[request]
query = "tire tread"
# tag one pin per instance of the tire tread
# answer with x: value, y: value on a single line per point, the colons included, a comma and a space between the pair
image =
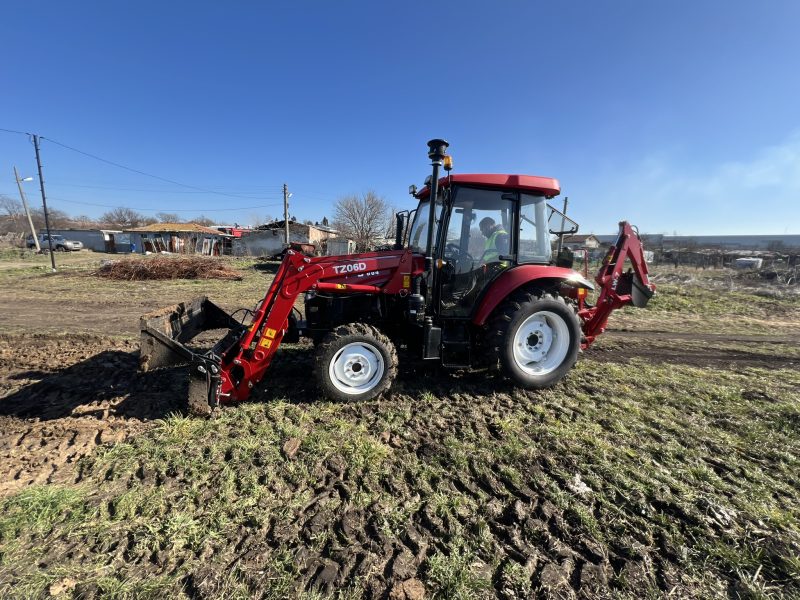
x: 340, y: 335
x: 499, y: 328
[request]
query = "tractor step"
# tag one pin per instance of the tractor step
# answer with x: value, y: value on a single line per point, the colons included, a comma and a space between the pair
x: 456, y: 355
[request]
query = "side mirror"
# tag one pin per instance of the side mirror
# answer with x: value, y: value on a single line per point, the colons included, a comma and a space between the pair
x: 400, y: 226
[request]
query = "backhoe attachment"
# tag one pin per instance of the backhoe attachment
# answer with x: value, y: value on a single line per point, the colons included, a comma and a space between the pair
x: 618, y: 288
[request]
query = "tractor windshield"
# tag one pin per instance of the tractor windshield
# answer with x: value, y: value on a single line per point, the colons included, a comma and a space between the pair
x: 419, y: 228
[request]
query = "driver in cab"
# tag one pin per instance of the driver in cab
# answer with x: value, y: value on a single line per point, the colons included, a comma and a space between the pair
x: 496, y: 243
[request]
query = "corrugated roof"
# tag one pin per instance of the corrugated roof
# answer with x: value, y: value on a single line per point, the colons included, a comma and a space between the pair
x: 177, y: 228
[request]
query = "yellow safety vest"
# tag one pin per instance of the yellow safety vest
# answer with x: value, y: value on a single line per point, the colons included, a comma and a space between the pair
x: 490, y: 251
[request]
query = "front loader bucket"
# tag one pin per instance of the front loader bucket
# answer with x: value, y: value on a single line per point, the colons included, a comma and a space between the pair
x: 165, y: 334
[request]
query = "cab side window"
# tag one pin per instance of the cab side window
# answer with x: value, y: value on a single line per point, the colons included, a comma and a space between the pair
x: 534, y: 239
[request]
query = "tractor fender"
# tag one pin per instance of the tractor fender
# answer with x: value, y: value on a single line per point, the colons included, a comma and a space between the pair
x: 521, y: 275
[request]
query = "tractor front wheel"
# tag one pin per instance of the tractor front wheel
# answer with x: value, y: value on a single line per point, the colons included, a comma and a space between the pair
x: 355, y: 362
x: 536, y: 339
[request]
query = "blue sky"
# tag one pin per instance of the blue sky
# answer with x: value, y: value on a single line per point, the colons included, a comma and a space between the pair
x: 681, y: 117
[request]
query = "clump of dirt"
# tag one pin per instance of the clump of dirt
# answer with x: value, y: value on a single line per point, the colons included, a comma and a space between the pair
x: 62, y: 396
x: 166, y: 267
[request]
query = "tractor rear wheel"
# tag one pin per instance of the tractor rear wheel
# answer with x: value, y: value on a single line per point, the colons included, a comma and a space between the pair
x: 536, y: 338
x: 355, y: 362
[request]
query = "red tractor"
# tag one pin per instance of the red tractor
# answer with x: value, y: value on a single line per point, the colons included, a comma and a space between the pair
x: 479, y: 288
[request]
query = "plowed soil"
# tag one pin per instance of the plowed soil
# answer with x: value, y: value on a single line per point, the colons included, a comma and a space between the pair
x: 62, y: 396
x: 450, y: 486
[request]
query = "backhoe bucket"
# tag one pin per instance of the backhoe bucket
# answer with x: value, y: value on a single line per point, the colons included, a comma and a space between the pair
x: 640, y: 294
x: 165, y: 332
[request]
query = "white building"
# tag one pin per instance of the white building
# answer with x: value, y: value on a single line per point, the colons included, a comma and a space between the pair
x: 270, y: 239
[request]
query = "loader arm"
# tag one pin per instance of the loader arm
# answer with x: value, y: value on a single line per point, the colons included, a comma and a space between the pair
x: 617, y: 288
x: 228, y: 372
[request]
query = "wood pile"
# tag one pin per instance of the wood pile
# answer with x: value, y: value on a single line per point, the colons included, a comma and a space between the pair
x: 165, y: 267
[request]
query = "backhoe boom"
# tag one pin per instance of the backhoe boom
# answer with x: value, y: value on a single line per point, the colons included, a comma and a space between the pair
x: 617, y: 288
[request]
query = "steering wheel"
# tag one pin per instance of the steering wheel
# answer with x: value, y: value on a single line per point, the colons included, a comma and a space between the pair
x: 454, y: 252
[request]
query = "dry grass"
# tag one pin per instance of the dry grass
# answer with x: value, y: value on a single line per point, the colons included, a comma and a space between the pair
x: 163, y: 267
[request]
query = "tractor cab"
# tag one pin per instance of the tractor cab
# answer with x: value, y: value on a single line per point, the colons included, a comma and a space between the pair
x: 485, y: 225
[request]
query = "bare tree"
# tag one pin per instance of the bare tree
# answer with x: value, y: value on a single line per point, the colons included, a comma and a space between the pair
x: 364, y: 219
x: 255, y: 219
x: 164, y: 217
x: 84, y: 221
x: 12, y: 217
x: 11, y: 207
x: 123, y: 218
x: 203, y: 220
x: 58, y: 218
x: 13, y: 214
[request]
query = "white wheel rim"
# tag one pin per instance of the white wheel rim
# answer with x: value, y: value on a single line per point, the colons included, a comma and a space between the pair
x: 356, y: 368
x: 541, y: 343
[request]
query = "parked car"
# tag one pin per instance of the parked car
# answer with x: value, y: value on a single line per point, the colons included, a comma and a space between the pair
x: 60, y: 243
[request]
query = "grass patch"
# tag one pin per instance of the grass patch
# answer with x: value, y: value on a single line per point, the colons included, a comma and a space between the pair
x: 665, y: 477
x: 458, y: 574
x: 39, y: 508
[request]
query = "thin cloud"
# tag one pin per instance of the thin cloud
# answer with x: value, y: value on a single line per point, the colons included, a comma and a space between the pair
x: 757, y: 195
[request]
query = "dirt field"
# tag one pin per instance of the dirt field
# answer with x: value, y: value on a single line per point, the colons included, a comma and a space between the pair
x: 665, y: 465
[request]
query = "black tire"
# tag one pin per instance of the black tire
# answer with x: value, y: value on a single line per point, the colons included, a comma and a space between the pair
x: 61, y: 248
x: 349, y: 350
x: 534, y: 338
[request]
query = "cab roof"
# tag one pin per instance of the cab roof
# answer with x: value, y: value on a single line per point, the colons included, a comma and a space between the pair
x: 546, y: 186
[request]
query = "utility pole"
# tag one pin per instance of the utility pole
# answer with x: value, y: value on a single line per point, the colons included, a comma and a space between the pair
x: 44, y: 202
x: 286, y: 212
x: 27, y: 210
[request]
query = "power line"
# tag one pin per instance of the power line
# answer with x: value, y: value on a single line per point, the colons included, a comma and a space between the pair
x: 137, y: 171
x: 316, y: 196
x: 196, y: 189
x: 14, y: 131
x: 132, y: 170
x: 168, y: 209
x: 235, y: 208
x: 126, y: 189
x: 248, y: 189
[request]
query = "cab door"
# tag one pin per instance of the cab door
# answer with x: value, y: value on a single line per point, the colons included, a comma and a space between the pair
x: 475, y: 247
